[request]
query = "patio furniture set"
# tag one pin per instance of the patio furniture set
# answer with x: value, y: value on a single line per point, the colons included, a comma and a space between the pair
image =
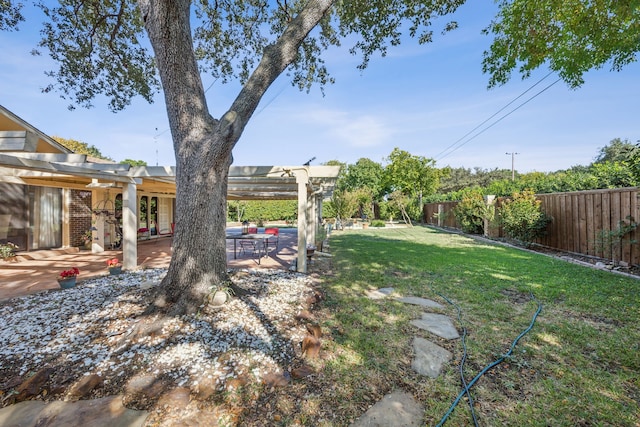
x: 253, y: 242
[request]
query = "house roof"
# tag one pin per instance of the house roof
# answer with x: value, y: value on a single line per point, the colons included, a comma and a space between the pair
x: 16, y: 127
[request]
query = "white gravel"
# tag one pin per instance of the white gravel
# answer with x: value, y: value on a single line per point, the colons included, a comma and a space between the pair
x: 90, y: 330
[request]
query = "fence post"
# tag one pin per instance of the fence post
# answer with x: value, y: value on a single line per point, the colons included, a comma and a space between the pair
x: 489, y: 202
x: 440, y: 215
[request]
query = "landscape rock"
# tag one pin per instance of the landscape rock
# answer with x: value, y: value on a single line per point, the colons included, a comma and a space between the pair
x: 310, y: 347
x: 103, y: 412
x: 206, y: 387
x: 302, y: 371
x: 142, y: 391
x: 83, y: 387
x: 315, y: 330
x: 33, y: 385
x: 177, y: 398
x: 276, y: 380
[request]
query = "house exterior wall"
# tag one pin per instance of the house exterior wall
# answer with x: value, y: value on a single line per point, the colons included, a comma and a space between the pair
x: 79, y: 216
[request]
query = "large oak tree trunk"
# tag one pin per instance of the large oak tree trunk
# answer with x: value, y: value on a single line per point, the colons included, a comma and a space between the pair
x: 198, y: 263
x: 203, y: 144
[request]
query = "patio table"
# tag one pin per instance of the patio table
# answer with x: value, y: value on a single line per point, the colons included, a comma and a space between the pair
x: 262, y: 239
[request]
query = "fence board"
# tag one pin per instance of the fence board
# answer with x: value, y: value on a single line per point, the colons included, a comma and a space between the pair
x: 635, y: 235
x: 625, y: 214
x: 589, y: 225
x: 568, y: 217
x: 581, y: 229
x: 597, y: 223
x: 615, y: 222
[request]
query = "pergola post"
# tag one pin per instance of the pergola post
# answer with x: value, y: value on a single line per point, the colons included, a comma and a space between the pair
x: 129, y: 227
x: 311, y: 218
x: 302, y: 179
x: 97, y: 227
x: 319, y: 211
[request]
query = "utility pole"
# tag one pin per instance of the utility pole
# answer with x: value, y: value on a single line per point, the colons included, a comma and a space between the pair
x: 513, y: 169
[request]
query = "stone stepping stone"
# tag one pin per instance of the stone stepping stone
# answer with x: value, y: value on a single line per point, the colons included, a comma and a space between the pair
x: 438, y: 324
x: 429, y: 357
x: 379, y: 293
x: 423, y: 302
x: 394, y: 410
x: 106, y: 411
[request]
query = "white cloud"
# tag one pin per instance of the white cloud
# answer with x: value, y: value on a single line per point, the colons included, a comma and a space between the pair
x: 351, y: 128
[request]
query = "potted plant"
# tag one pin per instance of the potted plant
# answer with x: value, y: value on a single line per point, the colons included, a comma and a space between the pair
x: 310, y: 251
x: 86, y: 238
x: 114, y: 266
x: 220, y: 295
x: 67, y: 278
x: 8, y: 251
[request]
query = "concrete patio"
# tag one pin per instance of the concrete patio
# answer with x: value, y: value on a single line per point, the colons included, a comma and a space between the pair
x: 28, y: 276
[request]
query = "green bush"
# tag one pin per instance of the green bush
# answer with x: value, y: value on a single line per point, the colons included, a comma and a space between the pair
x: 608, y: 242
x: 521, y: 217
x: 259, y: 211
x: 471, y: 212
x: 8, y: 250
x: 378, y: 223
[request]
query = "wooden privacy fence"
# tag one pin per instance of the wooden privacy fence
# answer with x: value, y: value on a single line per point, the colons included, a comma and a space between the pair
x: 583, y: 222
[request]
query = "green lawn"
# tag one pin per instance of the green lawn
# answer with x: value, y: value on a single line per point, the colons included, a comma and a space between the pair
x: 579, y: 365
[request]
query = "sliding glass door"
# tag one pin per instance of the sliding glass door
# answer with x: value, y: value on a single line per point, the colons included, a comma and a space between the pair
x: 45, y: 222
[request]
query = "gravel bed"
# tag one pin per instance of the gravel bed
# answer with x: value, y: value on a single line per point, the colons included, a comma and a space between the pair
x: 99, y: 328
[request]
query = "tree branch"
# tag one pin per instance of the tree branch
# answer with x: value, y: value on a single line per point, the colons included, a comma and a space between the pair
x: 277, y: 57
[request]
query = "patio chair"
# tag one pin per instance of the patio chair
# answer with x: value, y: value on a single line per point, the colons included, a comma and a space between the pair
x: 248, y: 245
x: 274, y: 239
x: 144, y: 233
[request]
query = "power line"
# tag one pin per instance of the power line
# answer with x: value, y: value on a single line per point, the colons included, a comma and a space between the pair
x: 495, y: 114
x: 494, y: 123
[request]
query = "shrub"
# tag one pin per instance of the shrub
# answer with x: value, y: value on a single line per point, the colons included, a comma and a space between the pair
x: 608, y: 242
x: 378, y: 223
x: 471, y: 212
x: 8, y: 250
x: 521, y: 217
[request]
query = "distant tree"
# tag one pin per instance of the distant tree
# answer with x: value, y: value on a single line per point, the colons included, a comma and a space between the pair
x: 80, y: 147
x: 614, y: 175
x: 365, y: 174
x: 454, y: 179
x: 570, y: 36
x: 133, y: 162
x: 617, y: 150
x: 414, y: 176
x: 634, y: 162
x: 343, y: 204
x: 398, y: 202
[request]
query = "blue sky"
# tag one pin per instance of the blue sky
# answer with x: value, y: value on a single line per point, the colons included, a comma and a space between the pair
x: 422, y: 99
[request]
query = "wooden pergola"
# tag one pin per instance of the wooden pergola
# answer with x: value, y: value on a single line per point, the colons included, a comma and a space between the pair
x: 29, y: 157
